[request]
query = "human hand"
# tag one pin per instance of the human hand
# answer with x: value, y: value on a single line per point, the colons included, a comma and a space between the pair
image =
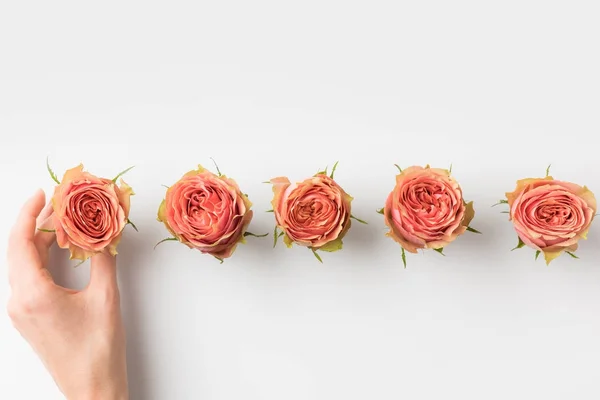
x: 78, y: 335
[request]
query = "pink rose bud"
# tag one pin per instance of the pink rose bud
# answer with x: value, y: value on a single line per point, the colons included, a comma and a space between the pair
x: 314, y: 213
x: 206, y: 212
x: 550, y: 216
x: 89, y: 212
x: 426, y: 210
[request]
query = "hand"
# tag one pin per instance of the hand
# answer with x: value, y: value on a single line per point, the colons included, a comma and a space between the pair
x: 78, y: 335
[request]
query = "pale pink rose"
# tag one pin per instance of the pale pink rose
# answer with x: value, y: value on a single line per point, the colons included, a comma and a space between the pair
x: 426, y: 209
x: 207, y: 212
x: 314, y: 213
x: 89, y: 213
x: 551, y: 216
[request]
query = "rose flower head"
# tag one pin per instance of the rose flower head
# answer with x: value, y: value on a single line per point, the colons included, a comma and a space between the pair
x: 550, y: 216
x: 426, y: 210
x: 315, y: 213
x: 89, y: 213
x: 207, y: 212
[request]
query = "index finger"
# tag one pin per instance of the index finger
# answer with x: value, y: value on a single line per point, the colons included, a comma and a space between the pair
x: 22, y: 254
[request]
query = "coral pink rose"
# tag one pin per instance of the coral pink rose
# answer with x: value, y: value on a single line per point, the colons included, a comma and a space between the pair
x: 551, y: 216
x: 426, y: 209
x: 314, y: 213
x: 207, y: 212
x: 89, y: 213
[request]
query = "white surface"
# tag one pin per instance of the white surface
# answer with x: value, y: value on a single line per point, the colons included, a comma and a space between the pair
x: 273, y: 88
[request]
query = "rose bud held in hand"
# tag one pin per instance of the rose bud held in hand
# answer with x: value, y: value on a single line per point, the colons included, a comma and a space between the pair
x: 426, y: 210
x: 89, y: 213
x: 550, y: 216
x: 314, y: 213
x: 207, y: 212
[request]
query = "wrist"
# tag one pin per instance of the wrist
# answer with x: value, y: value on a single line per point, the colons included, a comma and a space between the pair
x: 110, y: 392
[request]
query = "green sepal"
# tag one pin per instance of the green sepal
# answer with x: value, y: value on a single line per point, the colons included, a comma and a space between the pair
x: 254, y: 234
x: 333, y: 169
x: 317, y: 256
x: 403, y: 257
x: 218, y: 173
x: 46, y: 230
x: 473, y: 230
x: 359, y: 220
x: 323, y: 172
x: 440, y: 250
x: 500, y: 202
x: 132, y: 225
x: 519, y: 245
x: 537, y: 254
x: 165, y: 240
x: 397, y: 166
x: 380, y: 211
x: 548, y: 170
x: 275, y: 236
x: 219, y: 258
x: 572, y: 254
x: 52, y: 174
x: 120, y: 174
x: 80, y: 262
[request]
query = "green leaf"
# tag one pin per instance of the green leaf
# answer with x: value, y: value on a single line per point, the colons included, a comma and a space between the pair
x: 380, y: 211
x: 537, y: 254
x: 440, y: 250
x: 473, y: 230
x: 548, y: 170
x: 333, y: 170
x: 219, y: 258
x: 120, y: 174
x: 572, y: 254
x: 399, y: 169
x: 500, y: 202
x: 275, y: 236
x: 52, y: 174
x: 403, y: 257
x: 359, y: 220
x: 46, y: 230
x: 217, y: 167
x: 165, y: 240
x: 519, y: 245
x: 317, y: 256
x: 132, y: 225
x: 332, y: 246
x: 254, y: 234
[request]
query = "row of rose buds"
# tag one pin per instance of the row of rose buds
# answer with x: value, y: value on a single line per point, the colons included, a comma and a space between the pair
x: 209, y: 212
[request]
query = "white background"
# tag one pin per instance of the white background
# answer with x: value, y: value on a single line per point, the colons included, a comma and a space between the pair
x: 268, y: 88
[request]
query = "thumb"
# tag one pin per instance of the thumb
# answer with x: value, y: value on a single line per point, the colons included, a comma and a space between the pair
x: 103, y: 274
